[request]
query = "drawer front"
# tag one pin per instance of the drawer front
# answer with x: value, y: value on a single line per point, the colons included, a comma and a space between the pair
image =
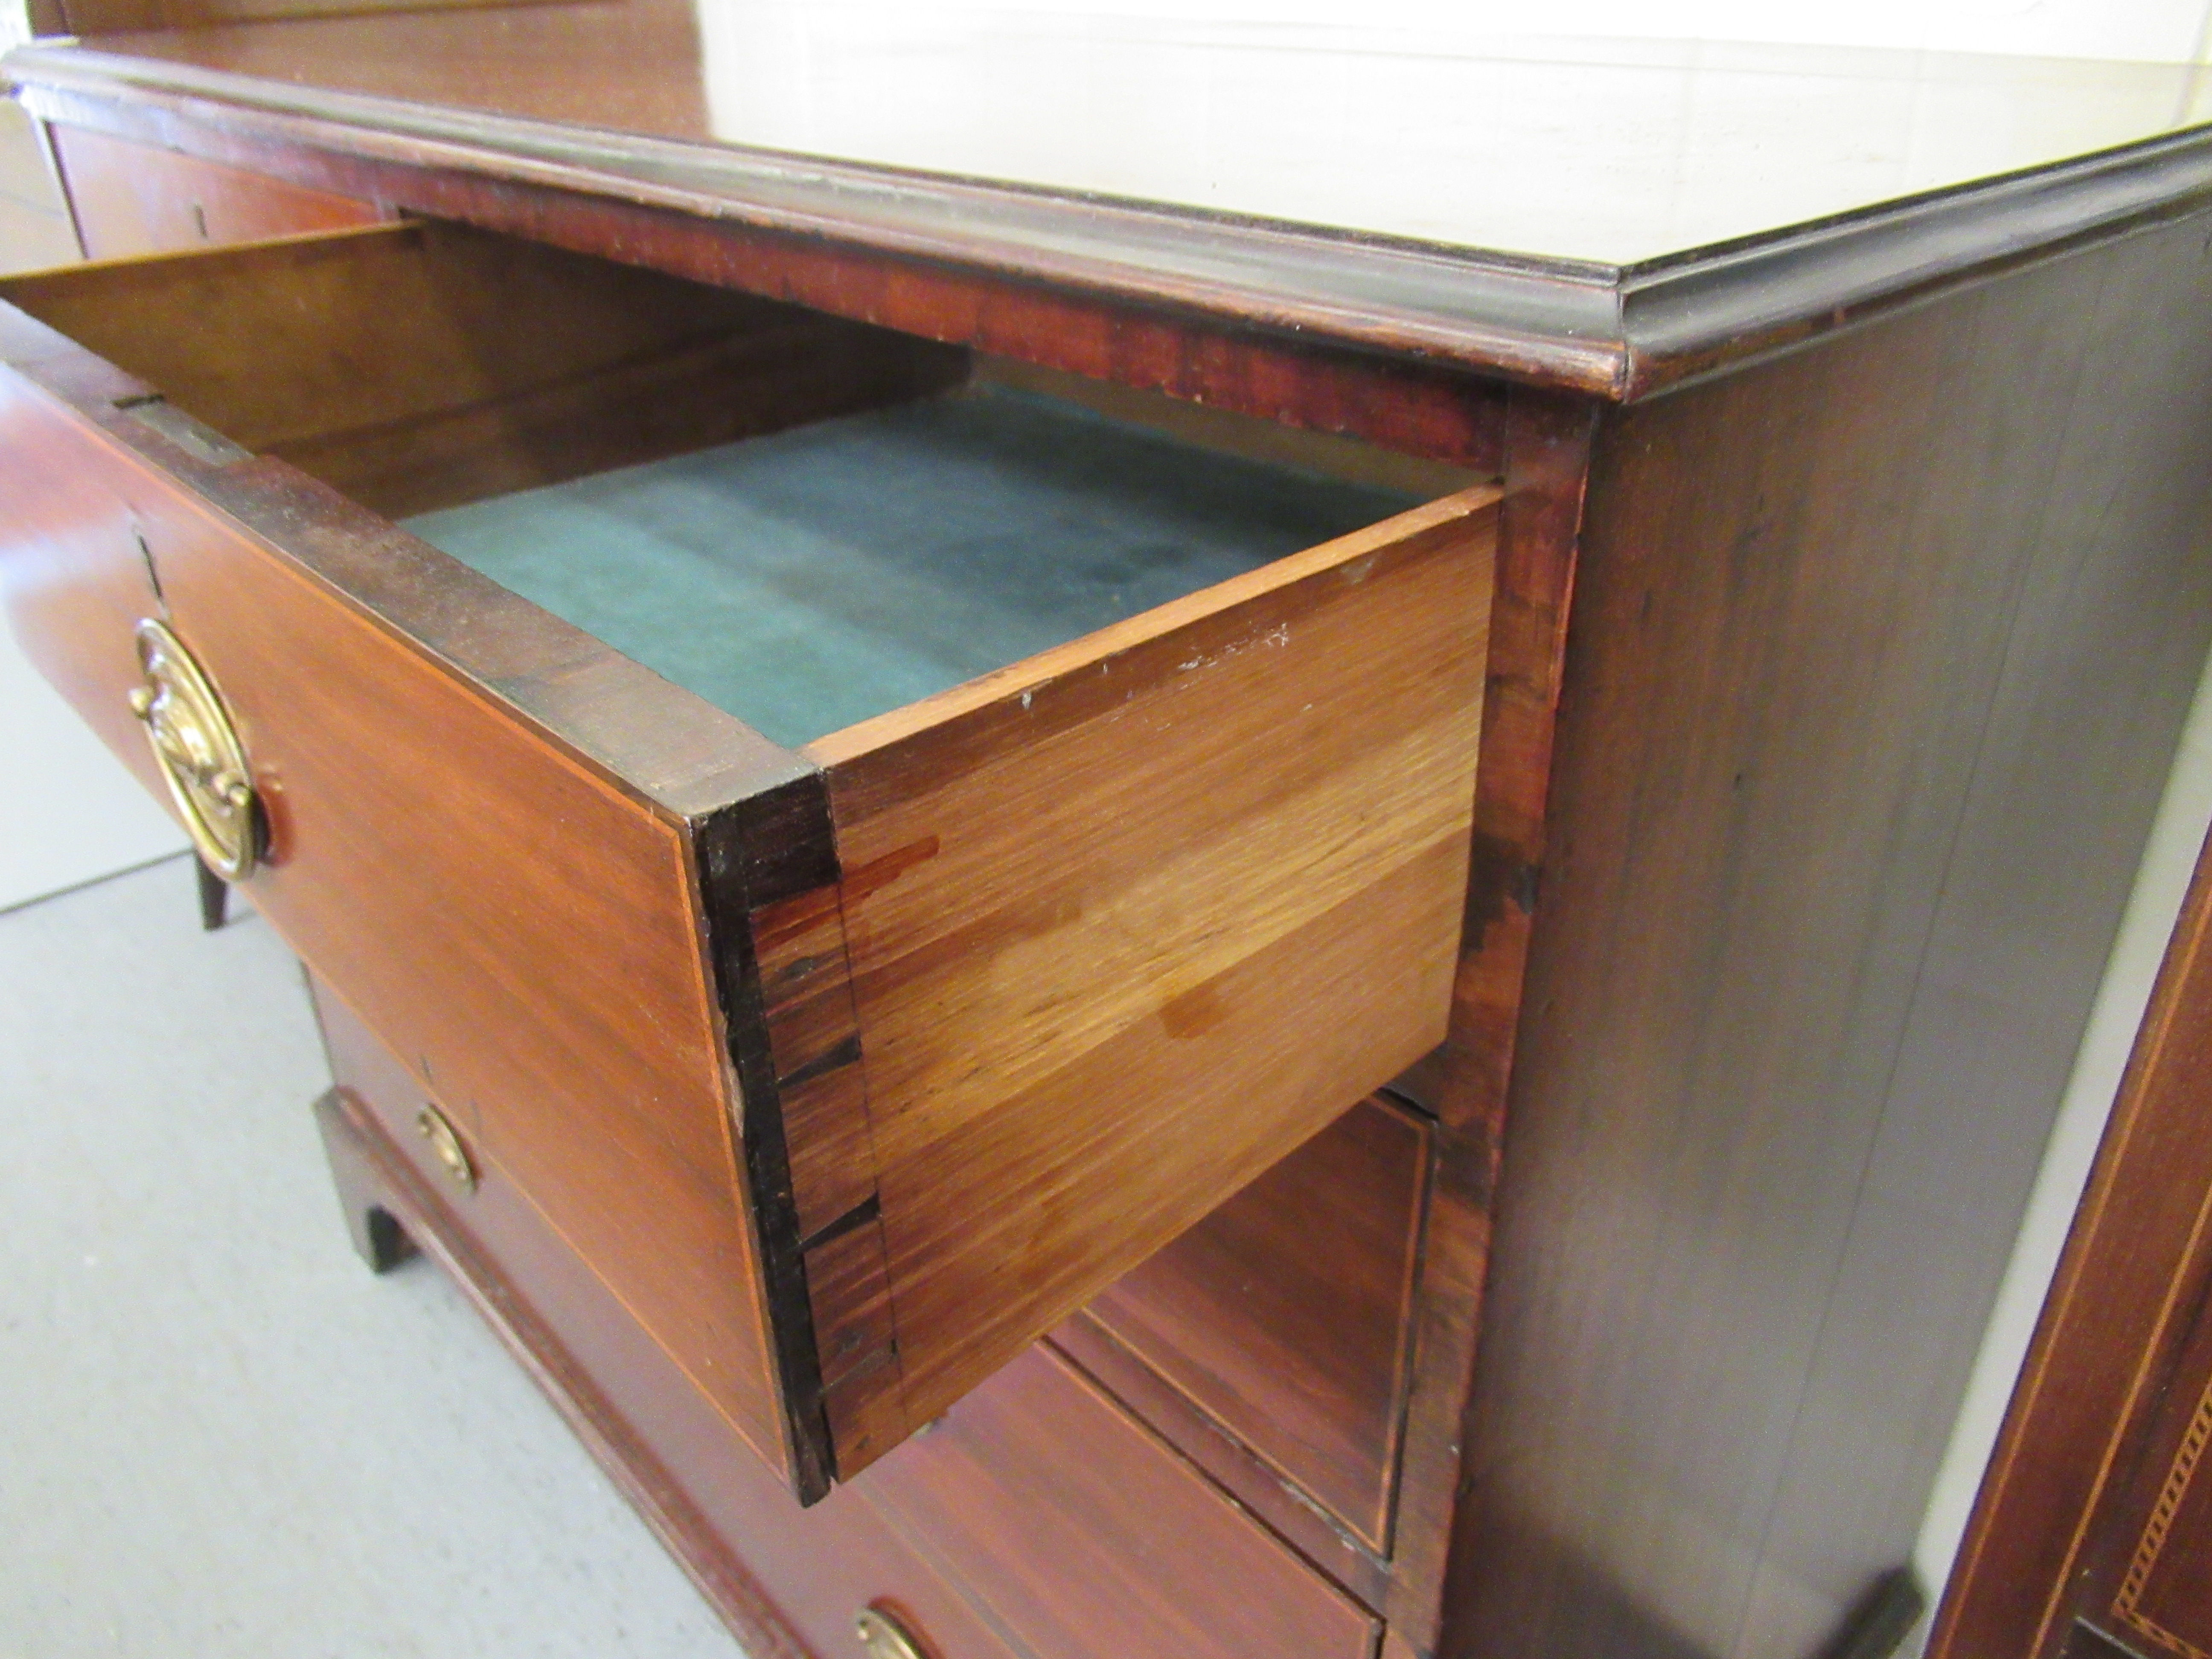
x: 1036, y: 1520
x: 855, y: 1068
x: 130, y: 199
x: 556, y: 992
x: 642, y: 1412
x: 1087, y: 1538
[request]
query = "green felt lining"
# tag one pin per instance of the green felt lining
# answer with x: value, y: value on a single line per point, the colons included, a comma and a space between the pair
x: 820, y: 576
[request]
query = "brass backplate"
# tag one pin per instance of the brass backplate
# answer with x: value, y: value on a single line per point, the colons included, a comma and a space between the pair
x: 884, y: 1638
x: 198, y: 749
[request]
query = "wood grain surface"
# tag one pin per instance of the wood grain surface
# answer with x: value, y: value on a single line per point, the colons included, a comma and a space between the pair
x: 1062, y: 959
x: 611, y: 102
x: 75, y: 579
x: 1413, y: 406
x: 947, y: 1535
x: 2159, y: 1550
x: 115, y: 16
x: 1466, y: 1081
x: 2115, y: 1379
x: 1084, y: 1538
x: 1878, y: 658
x: 1108, y: 968
x: 1285, y: 1315
x: 397, y: 821
x: 132, y: 198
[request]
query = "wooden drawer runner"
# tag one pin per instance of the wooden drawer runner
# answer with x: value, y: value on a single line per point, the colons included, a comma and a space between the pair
x: 1037, y: 1521
x: 853, y: 1067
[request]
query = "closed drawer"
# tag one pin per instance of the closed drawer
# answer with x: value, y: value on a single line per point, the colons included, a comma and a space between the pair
x: 1037, y: 1518
x: 716, y: 1504
x: 1086, y: 1539
x: 129, y: 199
x: 1285, y: 1319
x: 1104, y: 838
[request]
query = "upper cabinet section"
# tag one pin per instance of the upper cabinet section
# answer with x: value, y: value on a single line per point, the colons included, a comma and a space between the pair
x: 1382, y: 122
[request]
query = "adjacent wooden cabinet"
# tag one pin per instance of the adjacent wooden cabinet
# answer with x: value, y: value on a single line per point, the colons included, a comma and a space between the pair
x: 1125, y: 913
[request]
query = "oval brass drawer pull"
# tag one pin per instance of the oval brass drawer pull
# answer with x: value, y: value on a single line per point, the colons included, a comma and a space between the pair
x: 884, y: 1638
x: 446, y: 1146
x: 199, y: 753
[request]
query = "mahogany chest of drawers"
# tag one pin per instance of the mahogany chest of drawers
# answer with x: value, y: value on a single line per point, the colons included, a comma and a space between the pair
x: 1115, y: 930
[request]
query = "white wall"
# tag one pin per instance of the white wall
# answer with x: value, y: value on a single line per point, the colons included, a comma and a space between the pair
x: 2140, y: 30
x: 71, y: 813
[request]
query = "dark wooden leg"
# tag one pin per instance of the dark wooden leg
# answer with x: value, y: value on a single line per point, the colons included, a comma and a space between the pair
x: 214, y: 895
x: 378, y: 1238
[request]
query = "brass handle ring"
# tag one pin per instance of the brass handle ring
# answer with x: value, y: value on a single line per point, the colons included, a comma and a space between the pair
x: 199, y: 753
x: 884, y: 1638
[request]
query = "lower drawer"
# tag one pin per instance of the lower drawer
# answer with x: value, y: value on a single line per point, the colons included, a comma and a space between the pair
x: 1037, y: 1518
x: 1273, y: 1340
x: 1086, y: 1538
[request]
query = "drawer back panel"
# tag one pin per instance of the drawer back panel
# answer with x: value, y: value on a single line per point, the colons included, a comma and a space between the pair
x: 423, y: 365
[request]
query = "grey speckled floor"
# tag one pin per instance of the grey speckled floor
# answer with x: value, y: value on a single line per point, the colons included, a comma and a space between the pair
x: 219, y: 1434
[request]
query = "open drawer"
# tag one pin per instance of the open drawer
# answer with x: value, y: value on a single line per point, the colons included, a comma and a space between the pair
x: 1107, y: 837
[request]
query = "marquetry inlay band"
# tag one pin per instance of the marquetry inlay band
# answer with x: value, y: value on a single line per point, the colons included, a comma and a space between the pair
x: 2153, y: 1543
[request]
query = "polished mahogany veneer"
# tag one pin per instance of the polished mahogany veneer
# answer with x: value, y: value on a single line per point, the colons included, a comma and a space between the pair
x: 1711, y: 810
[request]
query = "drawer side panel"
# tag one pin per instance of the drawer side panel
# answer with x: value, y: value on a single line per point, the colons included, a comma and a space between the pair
x: 1130, y: 923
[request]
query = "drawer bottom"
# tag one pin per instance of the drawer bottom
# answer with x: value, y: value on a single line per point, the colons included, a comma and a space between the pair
x: 1037, y: 1521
